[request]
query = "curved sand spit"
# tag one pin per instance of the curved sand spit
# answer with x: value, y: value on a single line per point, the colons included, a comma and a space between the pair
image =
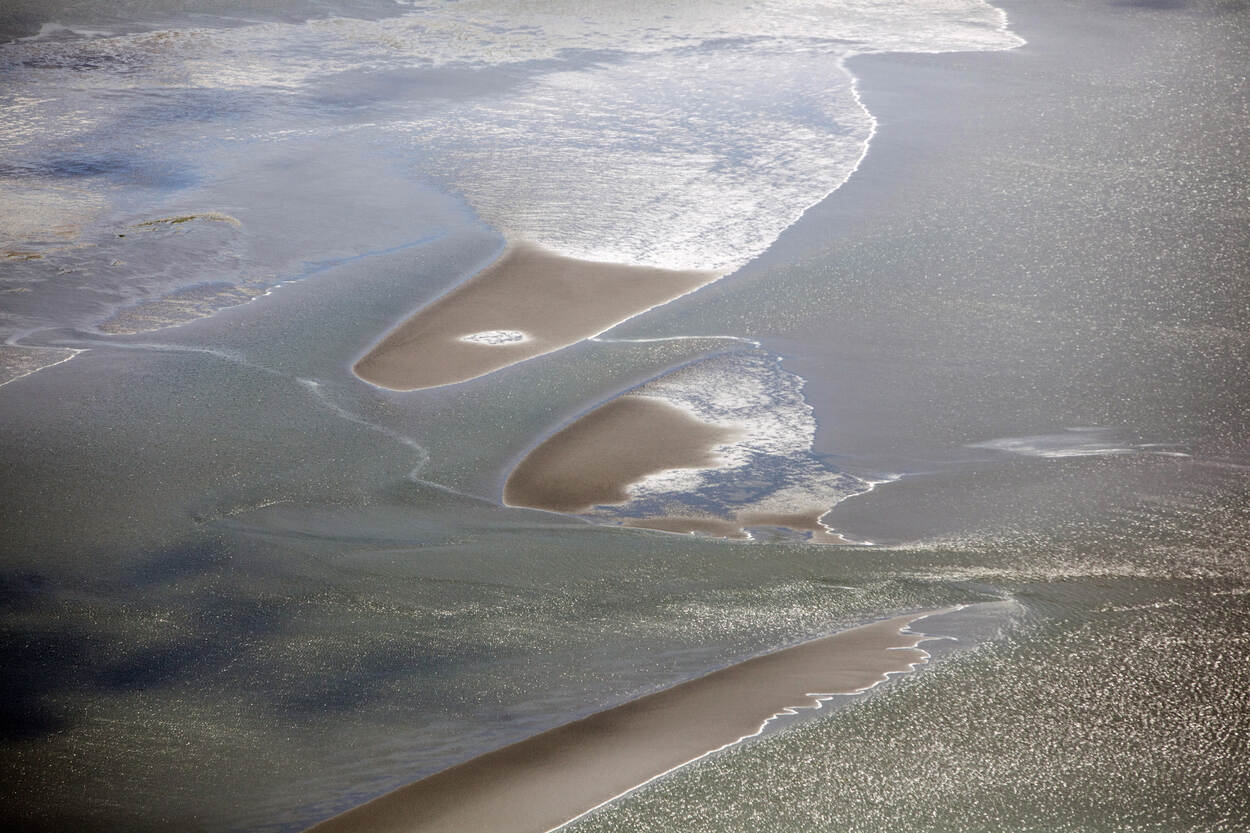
x: 593, y: 461
x: 527, y: 303
x: 544, y: 782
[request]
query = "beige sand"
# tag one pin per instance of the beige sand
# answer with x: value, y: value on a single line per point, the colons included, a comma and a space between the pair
x: 593, y: 461
x: 545, y: 781
x: 529, y: 302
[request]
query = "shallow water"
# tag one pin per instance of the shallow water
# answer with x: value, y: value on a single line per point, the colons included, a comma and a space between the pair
x: 243, y: 590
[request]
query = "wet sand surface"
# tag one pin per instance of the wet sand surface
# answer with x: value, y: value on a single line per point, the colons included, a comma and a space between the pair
x: 685, y: 525
x: 527, y: 303
x: 594, y: 460
x: 543, y: 782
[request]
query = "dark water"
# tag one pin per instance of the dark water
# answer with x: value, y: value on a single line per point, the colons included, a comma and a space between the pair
x: 242, y: 590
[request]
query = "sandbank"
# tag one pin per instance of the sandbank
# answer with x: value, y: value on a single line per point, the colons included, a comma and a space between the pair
x: 737, y: 526
x: 544, y: 782
x: 527, y: 303
x: 593, y: 461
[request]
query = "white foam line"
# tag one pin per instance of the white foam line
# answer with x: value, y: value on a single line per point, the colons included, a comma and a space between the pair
x: 224, y: 355
x: 788, y: 711
x: 315, y: 389
x: 1222, y: 464
x: 73, y: 355
x: 310, y: 385
x: 441, y: 487
x: 873, y: 124
x: 872, y: 485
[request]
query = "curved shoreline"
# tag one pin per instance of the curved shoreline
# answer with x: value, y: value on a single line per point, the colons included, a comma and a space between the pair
x: 596, y: 458
x: 528, y: 303
x: 545, y: 782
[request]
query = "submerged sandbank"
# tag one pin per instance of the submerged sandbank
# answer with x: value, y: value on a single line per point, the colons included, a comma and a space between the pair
x: 737, y: 526
x: 593, y: 461
x: 528, y: 302
x: 550, y: 779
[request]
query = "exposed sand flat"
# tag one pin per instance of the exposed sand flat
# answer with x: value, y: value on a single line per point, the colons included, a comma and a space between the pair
x: 545, y: 781
x: 593, y: 461
x: 527, y: 303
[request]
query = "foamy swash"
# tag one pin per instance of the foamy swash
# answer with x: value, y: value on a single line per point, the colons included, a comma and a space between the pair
x: 688, y: 145
x: 674, y: 135
x: 718, y: 447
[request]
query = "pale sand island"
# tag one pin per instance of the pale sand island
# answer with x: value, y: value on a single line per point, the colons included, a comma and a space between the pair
x: 546, y: 781
x: 595, y: 459
x: 527, y: 303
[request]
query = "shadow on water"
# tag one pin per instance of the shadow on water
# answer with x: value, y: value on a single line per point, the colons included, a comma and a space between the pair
x: 69, y: 641
x: 168, y: 174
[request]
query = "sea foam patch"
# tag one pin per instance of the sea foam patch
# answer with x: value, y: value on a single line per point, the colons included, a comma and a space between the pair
x: 668, y: 134
x: 494, y: 338
x: 767, y: 475
x: 689, y: 146
x: 1078, y: 442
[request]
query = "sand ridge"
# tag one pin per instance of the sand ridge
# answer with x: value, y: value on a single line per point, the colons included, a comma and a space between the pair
x: 529, y: 302
x: 592, y: 461
x: 542, y: 783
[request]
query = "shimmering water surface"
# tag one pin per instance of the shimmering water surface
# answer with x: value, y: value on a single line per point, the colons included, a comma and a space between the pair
x: 1003, y: 284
